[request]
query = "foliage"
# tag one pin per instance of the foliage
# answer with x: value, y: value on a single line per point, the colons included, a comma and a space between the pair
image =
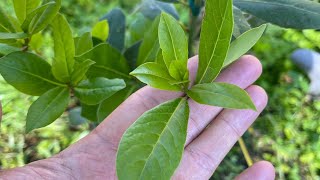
x: 91, y: 72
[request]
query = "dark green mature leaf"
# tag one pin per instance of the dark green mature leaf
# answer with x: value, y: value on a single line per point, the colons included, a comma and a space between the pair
x: 152, y: 8
x: 241, y: 25
x: 243, y: 44
x: 152, y: 147
x: 47, y: 108
x: 110, y: 63
x: 94, y: 91
x: 64, y: 50
x: 117, y: 28
x: 5, y: 36
x: 131, y: 54
x: 6, y: 22
x: 28, y: 73
x: 40, y: 10
x: 41, y: 20
x: 150, y: 44
x: 101, y: 30
x: 89, y: 112
x: 80, y: 70
x: 174, y: 46
x: 6, y: 49
x: 299, y: 14
x: 157, y: 76
x: 107, y: 106
x: 138, y: 28
x: 24, y: 7
x: 83, y: 43
x: 215, y: 37
x: 222, y: 95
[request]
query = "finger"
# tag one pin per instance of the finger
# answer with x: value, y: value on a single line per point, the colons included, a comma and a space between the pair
x: 242, y: 73
x: 204, y: 154
x: 262, y: 170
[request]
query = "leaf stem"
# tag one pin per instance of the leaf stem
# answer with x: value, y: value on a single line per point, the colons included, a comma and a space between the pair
x: 245, y: 152
x: 25, y: 46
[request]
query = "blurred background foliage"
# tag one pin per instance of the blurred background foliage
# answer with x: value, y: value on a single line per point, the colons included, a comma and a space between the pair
x: 287, y: 133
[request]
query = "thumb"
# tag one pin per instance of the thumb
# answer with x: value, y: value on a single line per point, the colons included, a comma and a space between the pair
x: 262, y: 170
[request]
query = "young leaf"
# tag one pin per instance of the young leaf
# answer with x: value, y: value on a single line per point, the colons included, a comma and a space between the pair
x: 41, y: 20
x: 150, y: 44
x: 47, y: 108
x: 222, y: 95
x: 173, y: 41
x: 83, y: 43
x: 110, y: 63
x: 117, y: 25
x: 299, y: 14
x: 40, y: 10
x: 215, y: 37
x: 5, y: 36
x: 64, y: 50
x: 101, y: 30
x: 152, y: 147
x: 243, y: 44
x: 24, y: 7
x: 156, y: 75
x: 107, y: 106
x: 80, y: 70
x: 94, y: 91
x: 28, y: 73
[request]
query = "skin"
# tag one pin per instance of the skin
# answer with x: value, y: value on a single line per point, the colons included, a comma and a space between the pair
x: 212, y: 132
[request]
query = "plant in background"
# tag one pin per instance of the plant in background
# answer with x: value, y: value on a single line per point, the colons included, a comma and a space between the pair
x: 92, y: 71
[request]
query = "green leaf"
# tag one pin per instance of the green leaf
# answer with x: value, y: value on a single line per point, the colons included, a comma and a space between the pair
x: 64, y: 50
x: 24, y: 7
x: 215, y: 37
x: 243, y: 44
x: 107, y: 106
x: 172, y: 39
x: 40, y: 10
x: 28, y: 73
x: 101, y: 30
x: 117, y: 25
x: 89, y: 112
x: 222, y: 95
x: 152, y: 147
x: 83, y: 43
x: 241, y: 25
x: 47, y: 108
x: 299, y: 14
x: 138, y: 28
x: 150, y: 44
x: 131, y: 54
x: 6, y: 22
x: 155, y: 75
x: 75, y: 117
x: 80, y: 70
x: 6, y: 49
x: 110, y: 63
x: 6, y: 36
x: 94, y: 91
x: 152, y: 8
x: 41, y: 20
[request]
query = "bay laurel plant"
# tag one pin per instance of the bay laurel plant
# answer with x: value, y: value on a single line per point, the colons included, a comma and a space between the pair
x: 152, y: 147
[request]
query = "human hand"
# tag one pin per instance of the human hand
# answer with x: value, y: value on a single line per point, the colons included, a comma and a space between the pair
x: 212, y: 131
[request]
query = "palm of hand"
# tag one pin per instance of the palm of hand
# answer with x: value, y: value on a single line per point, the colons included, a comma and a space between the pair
x: 212, y: 132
